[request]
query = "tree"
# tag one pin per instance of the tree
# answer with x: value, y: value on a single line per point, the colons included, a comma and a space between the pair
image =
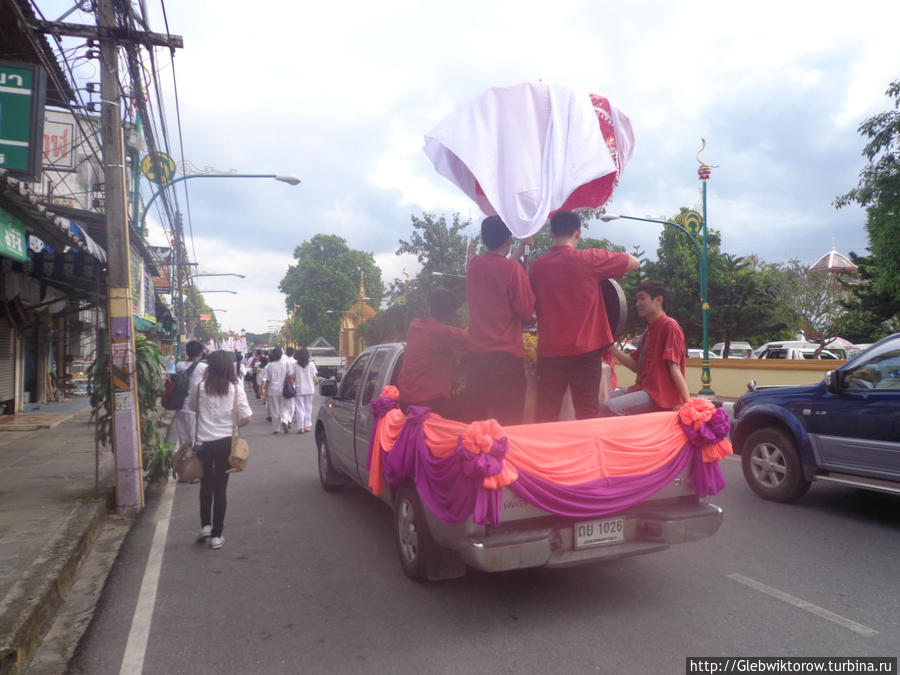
x: 810, y: 299
x: 324, y: 283
x: 878, y: 191
x: 869, y: 315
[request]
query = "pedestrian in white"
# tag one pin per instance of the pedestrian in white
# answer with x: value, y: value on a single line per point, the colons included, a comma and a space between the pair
x: 184, y: 418
x: 306, y: 376
x: 280, y: 410
x: 291, y: 355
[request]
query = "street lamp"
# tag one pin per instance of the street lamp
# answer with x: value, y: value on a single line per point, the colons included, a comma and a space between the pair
x: 284, y: 178
x: 216, y: 291
x: 216, y: 274
x: 705, y: 377
x: 447, y: 274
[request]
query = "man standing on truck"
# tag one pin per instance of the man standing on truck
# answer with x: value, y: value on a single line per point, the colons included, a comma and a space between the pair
x: 500, y: 301
x: 573, y: 328
x: 658, y: 359
x: 426, y: 377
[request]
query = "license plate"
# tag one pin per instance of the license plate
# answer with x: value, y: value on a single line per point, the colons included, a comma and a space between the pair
x: 597, y: 532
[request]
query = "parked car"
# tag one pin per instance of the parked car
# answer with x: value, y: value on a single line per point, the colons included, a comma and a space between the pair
x: 527, y: 536
x: 844, y: 430
x: 697, y: 353
x: 737, y: 350
x: 792, y: 350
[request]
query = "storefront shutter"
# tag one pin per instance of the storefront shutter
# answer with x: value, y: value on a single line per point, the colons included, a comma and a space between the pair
x: 7, y: 360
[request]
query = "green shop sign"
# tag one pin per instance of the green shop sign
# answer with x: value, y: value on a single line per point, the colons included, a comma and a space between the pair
x: 13, y: 240
x: 23, y: 88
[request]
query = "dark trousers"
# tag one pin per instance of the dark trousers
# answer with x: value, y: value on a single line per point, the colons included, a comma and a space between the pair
x: 582, y: 373
x: 213, y: 499
x: 495, y: 387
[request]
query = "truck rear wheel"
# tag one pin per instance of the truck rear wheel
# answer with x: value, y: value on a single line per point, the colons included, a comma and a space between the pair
x: 772, y: 466
x: 411, y: 532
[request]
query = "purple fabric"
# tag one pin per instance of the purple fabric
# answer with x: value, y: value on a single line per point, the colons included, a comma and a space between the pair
x: 453, y: 486
x: 380, y: 407
x: 600, y: 497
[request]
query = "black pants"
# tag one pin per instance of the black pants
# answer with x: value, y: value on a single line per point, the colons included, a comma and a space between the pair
x: 495, y: 387
x: 213, y: 499
x: 582, y: 373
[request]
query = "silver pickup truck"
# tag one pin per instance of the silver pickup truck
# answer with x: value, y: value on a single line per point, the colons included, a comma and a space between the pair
x: 526, y: 536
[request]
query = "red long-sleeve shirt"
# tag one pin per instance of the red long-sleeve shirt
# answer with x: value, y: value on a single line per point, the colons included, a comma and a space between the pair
x: 427, y: 371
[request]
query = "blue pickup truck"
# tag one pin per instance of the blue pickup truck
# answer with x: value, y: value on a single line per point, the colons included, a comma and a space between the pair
x: 844, y: 430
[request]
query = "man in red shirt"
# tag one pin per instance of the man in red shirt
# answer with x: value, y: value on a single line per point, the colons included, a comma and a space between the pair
x: 426, y: 377
x: 500, y: 301
x: 658, y: 359
x: 573, y: 328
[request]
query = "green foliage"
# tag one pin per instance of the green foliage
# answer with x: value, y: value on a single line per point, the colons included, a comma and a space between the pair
x: 878, y: 191
x: 156, y: 454
x: 868, y: 315
x: 324, y: 283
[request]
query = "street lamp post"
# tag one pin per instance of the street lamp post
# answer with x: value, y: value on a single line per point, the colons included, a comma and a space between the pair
x: 705, y: 377
x: 284, y: 178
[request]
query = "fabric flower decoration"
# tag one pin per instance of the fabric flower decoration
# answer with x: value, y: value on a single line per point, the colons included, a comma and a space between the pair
x: 390, y: 391
x: 480, y: 436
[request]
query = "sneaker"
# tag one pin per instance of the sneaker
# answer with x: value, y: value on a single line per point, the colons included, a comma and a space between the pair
x: 205, y: 531
x: 217, y: 542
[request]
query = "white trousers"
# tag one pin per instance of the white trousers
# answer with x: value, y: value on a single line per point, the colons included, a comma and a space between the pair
x: 303, y: 403
x: 184, y: 426
x: 281, y: 410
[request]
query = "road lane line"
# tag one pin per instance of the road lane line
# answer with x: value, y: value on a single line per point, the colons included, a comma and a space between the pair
x: 804, y: 605
x: 136, y: 647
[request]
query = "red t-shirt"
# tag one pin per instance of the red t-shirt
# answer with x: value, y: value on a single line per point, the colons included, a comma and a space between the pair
x: 500, y: 299
x: 571, y: 313
x: 662, y: 342
x: 427, y: 371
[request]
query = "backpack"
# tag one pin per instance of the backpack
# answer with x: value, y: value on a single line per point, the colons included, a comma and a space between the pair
x: 177, y: 388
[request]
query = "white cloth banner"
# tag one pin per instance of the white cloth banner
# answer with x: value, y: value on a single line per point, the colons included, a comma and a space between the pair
x: 528, y: 147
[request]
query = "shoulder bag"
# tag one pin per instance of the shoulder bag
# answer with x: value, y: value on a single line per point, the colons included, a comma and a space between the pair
x: 288, y: 391
x: 240, y: 451
x: 186, y: 464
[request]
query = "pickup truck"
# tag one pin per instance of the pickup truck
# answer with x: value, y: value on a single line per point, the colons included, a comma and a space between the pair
x: 525, y: 536
x: 844, y: 430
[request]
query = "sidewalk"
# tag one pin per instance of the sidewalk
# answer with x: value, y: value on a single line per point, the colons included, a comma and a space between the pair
x: 49, y: 514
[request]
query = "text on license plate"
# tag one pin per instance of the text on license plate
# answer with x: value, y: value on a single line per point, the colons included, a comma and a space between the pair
x: 596, y: 532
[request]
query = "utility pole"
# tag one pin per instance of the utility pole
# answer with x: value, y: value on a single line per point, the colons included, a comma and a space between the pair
x: 123, y: 385
x: 123, y: 376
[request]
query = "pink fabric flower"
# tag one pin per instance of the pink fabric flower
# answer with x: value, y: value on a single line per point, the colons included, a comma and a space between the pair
x: 480, y: 436
x: 390, y: 391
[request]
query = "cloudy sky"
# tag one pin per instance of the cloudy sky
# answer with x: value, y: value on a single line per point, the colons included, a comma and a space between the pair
x: 342, y: 93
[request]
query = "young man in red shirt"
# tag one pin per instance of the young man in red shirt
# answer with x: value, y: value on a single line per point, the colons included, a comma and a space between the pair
x: 426, y: 377
x: 573, y: 328
x: 658, y: 360
x: 500, y: 301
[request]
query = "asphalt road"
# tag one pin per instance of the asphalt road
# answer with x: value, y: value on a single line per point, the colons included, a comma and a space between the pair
x: 309, y: 582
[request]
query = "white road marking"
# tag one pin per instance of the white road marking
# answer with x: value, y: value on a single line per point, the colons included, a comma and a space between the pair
x: 136, y: 647
x: 804, y: 605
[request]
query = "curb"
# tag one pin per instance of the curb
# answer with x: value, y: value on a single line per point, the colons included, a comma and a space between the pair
x: 28, y: 610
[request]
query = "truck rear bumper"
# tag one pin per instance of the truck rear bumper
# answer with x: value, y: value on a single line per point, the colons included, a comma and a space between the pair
x: 653, y: 528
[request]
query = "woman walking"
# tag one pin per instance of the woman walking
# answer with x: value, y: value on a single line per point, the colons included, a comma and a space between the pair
x: 305, y: 384
x: 214, y: 401
x: 280, y: 409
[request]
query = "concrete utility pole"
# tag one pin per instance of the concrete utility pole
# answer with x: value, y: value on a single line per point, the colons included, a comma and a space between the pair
x: 123, y: 385
x: 123, y: 377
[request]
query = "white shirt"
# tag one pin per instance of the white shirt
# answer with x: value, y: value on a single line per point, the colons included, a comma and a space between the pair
x: 274, y: 374
x: 216, y: 413
x: 196, y: 378
x: 305, y: 379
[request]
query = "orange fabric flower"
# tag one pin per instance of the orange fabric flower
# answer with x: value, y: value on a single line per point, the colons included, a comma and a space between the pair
x: 480, y: 436
x: 390, y: 391
x: 696, y: 412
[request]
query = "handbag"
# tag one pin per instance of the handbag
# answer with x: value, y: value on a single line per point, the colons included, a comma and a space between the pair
x: 240, y: 451
x: 186, y: 464
x: 288, y: 390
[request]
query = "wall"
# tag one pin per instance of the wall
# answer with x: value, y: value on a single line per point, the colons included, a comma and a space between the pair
x: 729, y: 377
